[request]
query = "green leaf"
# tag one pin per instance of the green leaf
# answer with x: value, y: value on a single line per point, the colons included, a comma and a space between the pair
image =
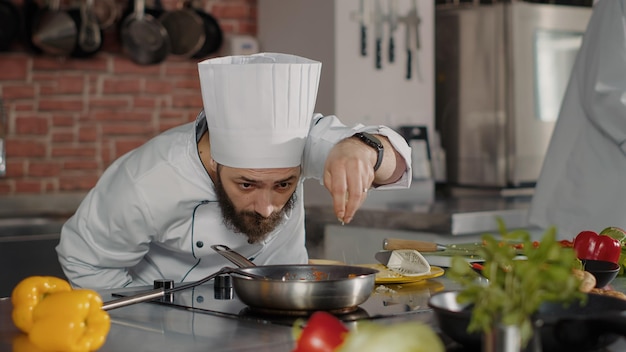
x: 516, y: 287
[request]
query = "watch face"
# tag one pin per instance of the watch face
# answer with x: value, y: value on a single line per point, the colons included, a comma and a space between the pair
x: 370, y: 140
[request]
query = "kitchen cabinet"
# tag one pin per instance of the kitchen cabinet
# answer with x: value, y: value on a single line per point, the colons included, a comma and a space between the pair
x: 161, y: 327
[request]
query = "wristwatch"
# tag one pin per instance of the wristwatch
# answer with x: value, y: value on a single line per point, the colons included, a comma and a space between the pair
x: 373, y: 142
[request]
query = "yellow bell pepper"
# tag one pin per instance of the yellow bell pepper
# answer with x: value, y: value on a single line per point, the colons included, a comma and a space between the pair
x: 58, y: 319
x: 29, y: 293
x: 70, y: 321
x: 21, y: 343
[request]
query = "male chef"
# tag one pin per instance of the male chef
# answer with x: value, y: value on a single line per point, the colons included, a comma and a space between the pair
x: 233, y: 177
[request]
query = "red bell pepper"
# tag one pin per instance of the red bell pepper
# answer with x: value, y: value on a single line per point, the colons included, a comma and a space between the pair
x: 322, y: 333
x: 590, y: 245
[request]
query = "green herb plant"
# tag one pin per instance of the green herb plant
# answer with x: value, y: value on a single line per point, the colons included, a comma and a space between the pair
x: 519, y: 280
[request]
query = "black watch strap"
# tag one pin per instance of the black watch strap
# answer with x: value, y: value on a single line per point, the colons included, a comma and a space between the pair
x: 373, y: 142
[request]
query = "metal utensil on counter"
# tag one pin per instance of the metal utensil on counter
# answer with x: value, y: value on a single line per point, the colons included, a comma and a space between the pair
x: 428, y: 247
x: 406, y: 262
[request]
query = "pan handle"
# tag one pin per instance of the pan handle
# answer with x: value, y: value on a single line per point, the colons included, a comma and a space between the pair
x: 161, y: 292
x: 232, y: 256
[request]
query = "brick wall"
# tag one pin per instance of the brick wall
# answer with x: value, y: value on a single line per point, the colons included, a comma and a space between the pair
x: 68, y: 119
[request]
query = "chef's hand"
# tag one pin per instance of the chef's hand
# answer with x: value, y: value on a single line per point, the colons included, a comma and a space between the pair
x: 349, y: 173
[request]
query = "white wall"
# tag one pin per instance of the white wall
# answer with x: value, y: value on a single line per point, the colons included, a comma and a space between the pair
x: 351, y: 87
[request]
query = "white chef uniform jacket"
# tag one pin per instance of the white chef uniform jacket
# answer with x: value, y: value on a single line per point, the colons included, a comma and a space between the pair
x: 153, y: 214
x: 582, y: 185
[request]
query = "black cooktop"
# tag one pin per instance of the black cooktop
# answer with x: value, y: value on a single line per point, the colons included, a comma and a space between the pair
x: 385, y: 301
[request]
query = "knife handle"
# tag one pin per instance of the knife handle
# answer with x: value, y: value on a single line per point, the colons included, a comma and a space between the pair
x: 397, y: 243
x: 363, y: 40
x: 379, y: 58
x: 409, y: 68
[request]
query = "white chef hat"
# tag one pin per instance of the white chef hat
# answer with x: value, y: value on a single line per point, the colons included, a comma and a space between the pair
x: 259, y: 108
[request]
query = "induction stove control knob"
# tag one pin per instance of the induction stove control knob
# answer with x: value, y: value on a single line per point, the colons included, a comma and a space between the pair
x: 223, y: 287
x: 223, y: 281
x: 166, y: 284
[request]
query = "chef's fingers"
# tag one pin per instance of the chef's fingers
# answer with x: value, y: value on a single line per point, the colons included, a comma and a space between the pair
x: 338, y: 191
x: 348, y: 186
x: 357, y: 193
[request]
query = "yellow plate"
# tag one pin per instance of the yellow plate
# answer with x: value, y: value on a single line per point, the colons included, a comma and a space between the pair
x: 387, y: 276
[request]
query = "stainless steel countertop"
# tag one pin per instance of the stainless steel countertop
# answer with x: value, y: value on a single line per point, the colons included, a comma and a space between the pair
x: 154, y: 327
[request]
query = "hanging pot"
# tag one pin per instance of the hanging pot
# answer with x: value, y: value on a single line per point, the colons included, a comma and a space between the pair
x: 55, y: 31
x: 31, y: 11
x: 107, y: 13
x: 9, y: 24
x: 185, y: 29
x: 144, y: 38
x: 153, y: 8
x: 90, y: 36
x: 213, y: 35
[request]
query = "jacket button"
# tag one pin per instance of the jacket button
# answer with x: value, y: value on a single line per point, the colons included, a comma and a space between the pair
x: 199, y: 244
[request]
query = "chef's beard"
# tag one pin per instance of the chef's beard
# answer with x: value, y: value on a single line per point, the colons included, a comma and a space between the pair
x: 255, y: 226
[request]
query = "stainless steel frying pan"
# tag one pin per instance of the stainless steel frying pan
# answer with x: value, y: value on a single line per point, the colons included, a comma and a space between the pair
x: 282, y: 288
x: 301, y: 287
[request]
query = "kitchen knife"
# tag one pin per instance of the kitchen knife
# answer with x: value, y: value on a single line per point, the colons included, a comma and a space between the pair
x: 379, y: 19
x: 363, y: 25
x: 393, y: 25
x: 412, y: 22
x: 467, y: 249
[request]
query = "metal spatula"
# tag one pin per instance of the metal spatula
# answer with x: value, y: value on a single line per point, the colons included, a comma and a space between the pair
x: 407, y: 262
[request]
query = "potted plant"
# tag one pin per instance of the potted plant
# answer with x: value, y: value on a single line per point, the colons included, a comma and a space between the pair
x: 520, y: 274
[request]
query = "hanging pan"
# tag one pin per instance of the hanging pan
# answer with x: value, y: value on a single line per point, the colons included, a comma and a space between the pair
x: 185, y: 29
x: 213, y: 35
x: 55, y: 31
x: 144, y: 38
x: 90, y: 36
x: 106, y: 12
x: 9, y: 24
x: 282, y: 289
